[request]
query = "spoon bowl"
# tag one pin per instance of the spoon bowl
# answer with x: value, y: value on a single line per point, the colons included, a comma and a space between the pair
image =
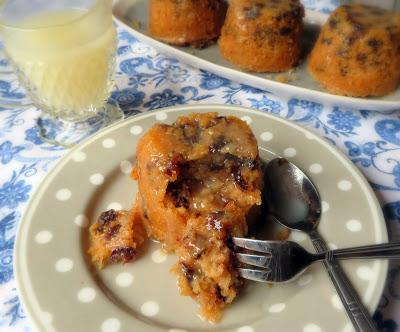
x: 292, y: 198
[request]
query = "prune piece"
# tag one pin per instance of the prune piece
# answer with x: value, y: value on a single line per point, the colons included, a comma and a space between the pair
x: 108, y: 216
x: 196, y: 244
x: 112, y: 231
x: 374, y: 43
x: 219, y: 294
x: 219, y: 143
x: 285, y: 31
x: 214, y: 220
x: 333, y: 23
x: 187, y: 272
x: 122, y: 254
x: 237, y: 176
x: 361, y: 57
x: 173, y: 165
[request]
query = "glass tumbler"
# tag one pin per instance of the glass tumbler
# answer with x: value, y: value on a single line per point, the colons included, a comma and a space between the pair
x: 64, y: 55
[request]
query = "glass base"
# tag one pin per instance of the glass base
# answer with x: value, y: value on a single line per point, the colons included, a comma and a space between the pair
x: 67, y: 133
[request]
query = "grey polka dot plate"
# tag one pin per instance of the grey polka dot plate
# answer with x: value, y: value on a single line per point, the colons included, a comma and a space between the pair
x: 61, y: 291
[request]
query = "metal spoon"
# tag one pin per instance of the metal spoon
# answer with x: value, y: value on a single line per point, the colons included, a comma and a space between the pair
x: 294, y: 201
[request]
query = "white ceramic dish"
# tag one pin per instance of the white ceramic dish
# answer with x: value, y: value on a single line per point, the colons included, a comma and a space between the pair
x: 134, y: 13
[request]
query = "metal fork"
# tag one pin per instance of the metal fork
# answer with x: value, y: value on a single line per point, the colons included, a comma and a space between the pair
x: 284, y: 260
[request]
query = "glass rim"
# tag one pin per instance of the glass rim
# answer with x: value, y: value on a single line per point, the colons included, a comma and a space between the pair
x: 85, y: 14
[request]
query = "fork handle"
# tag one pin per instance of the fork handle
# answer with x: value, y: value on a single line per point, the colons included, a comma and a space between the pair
x: 358, y: 314
x: 386, y: 250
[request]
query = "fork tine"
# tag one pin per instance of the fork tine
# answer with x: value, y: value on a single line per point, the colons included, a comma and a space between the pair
x: 256, y: 260
x: 256, y: 275
x: 256, y: 245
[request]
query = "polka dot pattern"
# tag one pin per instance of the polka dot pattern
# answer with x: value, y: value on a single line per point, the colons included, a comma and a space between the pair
x: 81, y: 220
x: 124, y: 279
x: 161, y: 116
x: 276, y: 308
x: 159, y: 256
x: 136, y: 130
x: 43, y: 237
x: 64, y: 265
x: 336, y: 302
x: 150, y: 308
x: 345, y: 185
x: 312, y: 328
x: 245, y: 329
x: 63, y: 194
x: 115, y: 206
x: 125, y: 166
x: 86, y: 295
x: 111, y: 325
x: 79, y: 156
x: 96, y: 179
x: 266, y: 136
x: 354, y: 225
x: 108, y: 143
x: 316, y: 168
x: 365, y: 273
x: 290, y: 152
x: 325, y: 206
x: 246, y: 119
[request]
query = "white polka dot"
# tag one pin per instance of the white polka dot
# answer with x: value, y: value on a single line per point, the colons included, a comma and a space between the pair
x: 136, y: 130
x: 277, y: 307
x: 365, y: 273
x: 245, y: 329
x: 86, y: 295
x: 290, y: 152
x: 344, y: 185
x: 159, y: 256
x: 332, y: 246
x: 96, y: 179
x: 124, y: 279
x: 79, y: 156
x: 161, y: 116
x: 43, y: 237
x: 267, y: 136
x: 246, y: 119
x: 150, y: 308
x: 325, y: 206
x: 316, y: 168
x: 47, y: 317
x: 311, y: 328
x: 63, y: 194
x: 81, y: 220
x: 354, y: 225
x: 64, y: 265
x: 125, y: 166
x: 298, y: 236
x: 114, y: 206
x: 304, y: 280
x: 108, y: 143
x: 336, y: 302
x: 111, y: 325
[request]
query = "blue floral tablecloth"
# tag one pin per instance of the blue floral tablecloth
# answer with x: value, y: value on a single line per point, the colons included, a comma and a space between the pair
x: 147, y: 80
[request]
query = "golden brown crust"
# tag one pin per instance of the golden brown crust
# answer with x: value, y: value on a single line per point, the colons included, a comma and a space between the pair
x: 186, y: 22
x: 198, y: 179
x: 358, y: 52
x: 263, y: 35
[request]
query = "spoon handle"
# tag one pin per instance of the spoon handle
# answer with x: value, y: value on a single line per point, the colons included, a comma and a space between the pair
x: 358, y: 314
x: 386, y: 250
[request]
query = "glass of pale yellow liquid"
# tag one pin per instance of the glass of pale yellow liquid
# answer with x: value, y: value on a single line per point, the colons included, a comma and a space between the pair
x: 64, y: 55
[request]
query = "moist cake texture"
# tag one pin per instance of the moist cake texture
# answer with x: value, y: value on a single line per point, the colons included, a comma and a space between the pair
x: 199, y: 179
